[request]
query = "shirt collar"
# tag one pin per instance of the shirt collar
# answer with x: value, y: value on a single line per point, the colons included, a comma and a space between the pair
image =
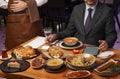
x: 87, y: 7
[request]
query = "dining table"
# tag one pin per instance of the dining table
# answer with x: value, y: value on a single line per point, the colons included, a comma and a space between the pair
x: 41, y: 73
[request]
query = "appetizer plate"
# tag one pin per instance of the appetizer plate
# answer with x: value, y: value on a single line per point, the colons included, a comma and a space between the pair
x: 62, y: 68
x: 77, y: 45
x: 24, y: 65
x: 37, y: 63
x: 46, y: 55
x: 36, y: 51
x: 53, y: 52
x: 9, y: 57
x: 106, y: 54
x: 77, y: 74
x: 110, y: 71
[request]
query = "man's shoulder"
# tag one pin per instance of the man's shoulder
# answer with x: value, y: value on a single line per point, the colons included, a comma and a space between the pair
x: 104, y: 6
x: 79, y: 6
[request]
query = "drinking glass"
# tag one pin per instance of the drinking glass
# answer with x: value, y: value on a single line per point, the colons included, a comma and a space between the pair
x: 47, y: 31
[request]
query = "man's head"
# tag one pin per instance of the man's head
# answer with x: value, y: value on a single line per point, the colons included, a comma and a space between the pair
x: 90, y: 2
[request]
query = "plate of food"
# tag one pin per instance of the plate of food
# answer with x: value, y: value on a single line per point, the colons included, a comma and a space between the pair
x: 80, y: 61
x: 105, y: 54
x: 14, y: 65
x: 77, y: 45
x: 53, y: 52
x: 25, y: 52
x: 108, y: 68
x: 78, y: 74
x: 37, y: 63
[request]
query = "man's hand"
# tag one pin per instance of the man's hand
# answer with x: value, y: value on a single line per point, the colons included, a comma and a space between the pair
x: 51, y: 38
x: 103, y: 45
x: 18, y: 5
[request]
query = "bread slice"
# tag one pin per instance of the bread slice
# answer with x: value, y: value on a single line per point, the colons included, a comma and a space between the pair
x: 105, y: 65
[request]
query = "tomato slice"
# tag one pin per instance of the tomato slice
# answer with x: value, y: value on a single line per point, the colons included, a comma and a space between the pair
x: 75, y: 51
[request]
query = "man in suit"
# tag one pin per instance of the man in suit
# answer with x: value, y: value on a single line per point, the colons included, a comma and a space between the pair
x: 100, y: 30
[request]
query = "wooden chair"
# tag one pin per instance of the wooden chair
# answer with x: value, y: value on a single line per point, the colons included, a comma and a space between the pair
x: 54, y: 14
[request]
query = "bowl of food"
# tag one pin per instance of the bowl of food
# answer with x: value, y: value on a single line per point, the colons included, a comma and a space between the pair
x: 54, y: 63
x: 70, y: 41
x: 77, y: 74
x: 81, y: 61
x: 37, y: 62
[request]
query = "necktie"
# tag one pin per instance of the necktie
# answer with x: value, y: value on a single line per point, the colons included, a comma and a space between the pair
x: 88, y: 20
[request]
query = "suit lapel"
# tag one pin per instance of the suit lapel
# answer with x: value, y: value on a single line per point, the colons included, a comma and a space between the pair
x: 81, y: 19
x: 95, y: 17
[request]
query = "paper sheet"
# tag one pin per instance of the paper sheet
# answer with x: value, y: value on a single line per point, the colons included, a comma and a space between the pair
x: 36, y: 42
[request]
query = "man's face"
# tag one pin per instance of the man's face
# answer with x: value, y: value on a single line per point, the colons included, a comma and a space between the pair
x: 90, y: 2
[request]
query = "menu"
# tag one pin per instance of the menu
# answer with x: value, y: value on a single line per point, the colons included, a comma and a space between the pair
x: 36, y: 42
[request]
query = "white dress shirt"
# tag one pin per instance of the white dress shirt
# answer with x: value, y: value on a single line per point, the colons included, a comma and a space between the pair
x: 4, y: 3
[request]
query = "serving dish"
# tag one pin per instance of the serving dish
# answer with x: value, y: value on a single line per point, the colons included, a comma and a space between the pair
x: 70, y: 41
x: 77, y: 74
x: 54, y: 63
x: 80, y: 68
x: 37, y: 63
x: 105, y: 54
x: 53, y: 52
x: 30, y: 57
x: 108, y: 68
x: 62, y: 68
x: 23, y: 66
x: 77, y: 45
x: 80, y: 61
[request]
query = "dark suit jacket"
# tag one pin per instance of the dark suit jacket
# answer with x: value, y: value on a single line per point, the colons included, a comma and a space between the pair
x: 102, y: 26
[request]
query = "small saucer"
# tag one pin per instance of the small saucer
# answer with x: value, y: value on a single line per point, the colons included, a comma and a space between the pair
x: 9, y: 56
x: 54, y: 70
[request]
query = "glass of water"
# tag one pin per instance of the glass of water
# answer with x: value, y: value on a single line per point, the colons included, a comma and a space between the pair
x: 47, y: 31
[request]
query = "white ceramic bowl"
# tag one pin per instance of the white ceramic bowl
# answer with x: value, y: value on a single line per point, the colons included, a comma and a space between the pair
x: 70, y: 41
x: 54, y: 63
